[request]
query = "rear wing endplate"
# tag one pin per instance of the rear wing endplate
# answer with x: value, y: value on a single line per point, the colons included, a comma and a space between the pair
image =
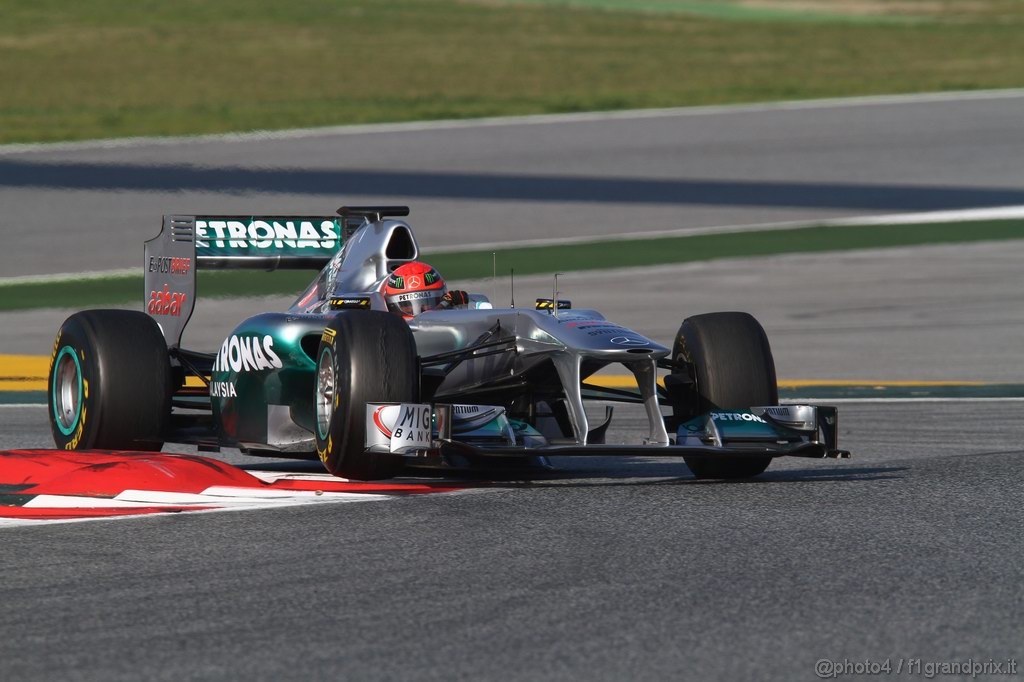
x: 187, y: 243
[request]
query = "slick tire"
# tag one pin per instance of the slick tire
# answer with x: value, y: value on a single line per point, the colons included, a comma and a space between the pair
x: 733, y: 368
x: 109, y: 382
x: 364, y: 357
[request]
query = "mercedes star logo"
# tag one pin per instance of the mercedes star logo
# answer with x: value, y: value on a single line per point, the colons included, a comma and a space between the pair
x: 629, y: 341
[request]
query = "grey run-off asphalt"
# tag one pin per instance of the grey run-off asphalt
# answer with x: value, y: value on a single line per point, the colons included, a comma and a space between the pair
x: 616, y: 570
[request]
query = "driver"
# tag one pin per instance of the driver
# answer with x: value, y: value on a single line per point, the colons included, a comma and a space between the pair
x: 416, y: 287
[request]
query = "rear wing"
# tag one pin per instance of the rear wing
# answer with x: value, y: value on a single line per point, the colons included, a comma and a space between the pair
x: 187, y: 243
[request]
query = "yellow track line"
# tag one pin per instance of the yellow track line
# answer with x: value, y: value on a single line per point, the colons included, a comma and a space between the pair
x: 29, y: 372
x: 627, y: 381
x: 24, y: 372
x: 805, y: 383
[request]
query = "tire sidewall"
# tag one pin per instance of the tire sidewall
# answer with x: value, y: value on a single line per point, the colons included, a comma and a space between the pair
x: 707, y: 343
x: 81, y: 433
x: 364, y: 346
x: 124, y: 375
x: 323, y: 435
x: 342, y: 436
x: 694, y: 346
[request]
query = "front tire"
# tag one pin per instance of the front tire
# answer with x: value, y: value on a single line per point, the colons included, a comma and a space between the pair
x: 733, y: 368
x: 364, y: 357
x: 109, y: 382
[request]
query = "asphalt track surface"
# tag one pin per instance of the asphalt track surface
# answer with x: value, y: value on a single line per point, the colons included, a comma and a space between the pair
x: 73, y: 210
x: 614, y: 569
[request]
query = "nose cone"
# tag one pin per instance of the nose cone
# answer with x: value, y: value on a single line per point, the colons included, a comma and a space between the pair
x: 607, y: 339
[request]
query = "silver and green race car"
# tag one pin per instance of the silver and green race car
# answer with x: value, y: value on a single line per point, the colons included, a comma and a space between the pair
x: 339, y: 378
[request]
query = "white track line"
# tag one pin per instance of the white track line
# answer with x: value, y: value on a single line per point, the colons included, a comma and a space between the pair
x: 539, y: 119
x: 220, y: 507
x: 70, y: 276
x: 830, y: 401
x: 972, y: 214
x: 222, y: 498
x: 242, y: 497
x: 926, y: 217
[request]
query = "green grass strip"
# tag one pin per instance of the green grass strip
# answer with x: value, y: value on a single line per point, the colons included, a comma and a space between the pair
x: 22, y: 397
x: 129, y: 289
x: 990, y: 391
x: 602, y: 255
x: 596, y: 255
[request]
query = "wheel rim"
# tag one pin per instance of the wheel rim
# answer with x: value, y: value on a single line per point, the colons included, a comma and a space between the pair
x: 67, y: 390
x: 324, y: 392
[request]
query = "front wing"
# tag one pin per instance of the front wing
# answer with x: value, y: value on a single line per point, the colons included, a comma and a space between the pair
x: 431, y: 433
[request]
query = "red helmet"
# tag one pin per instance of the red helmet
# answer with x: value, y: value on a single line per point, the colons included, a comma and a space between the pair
x: 413, y: 288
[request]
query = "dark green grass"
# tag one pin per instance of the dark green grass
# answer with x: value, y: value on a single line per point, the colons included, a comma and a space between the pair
x: 597, y: 255
x: 114, y: 68
x: 602, y: 255
x: 876, y: 392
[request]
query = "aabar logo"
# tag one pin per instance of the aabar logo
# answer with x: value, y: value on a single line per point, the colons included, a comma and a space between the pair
x: 166, y: 302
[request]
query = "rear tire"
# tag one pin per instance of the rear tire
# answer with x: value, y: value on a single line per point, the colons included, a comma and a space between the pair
x: 733, y: 369
x: 109, y: 382
x: 364, y: 357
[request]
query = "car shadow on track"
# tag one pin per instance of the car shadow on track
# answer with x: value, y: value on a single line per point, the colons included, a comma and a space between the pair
x: 609, y: 478
x: 295, y: 466
x: 622, y: 473
x: 79, y: 175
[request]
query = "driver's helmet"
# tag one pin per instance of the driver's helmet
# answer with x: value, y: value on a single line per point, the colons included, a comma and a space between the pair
x: 413, y: 288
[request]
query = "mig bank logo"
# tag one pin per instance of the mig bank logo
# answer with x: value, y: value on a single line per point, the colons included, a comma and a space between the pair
x: 406, y: 426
